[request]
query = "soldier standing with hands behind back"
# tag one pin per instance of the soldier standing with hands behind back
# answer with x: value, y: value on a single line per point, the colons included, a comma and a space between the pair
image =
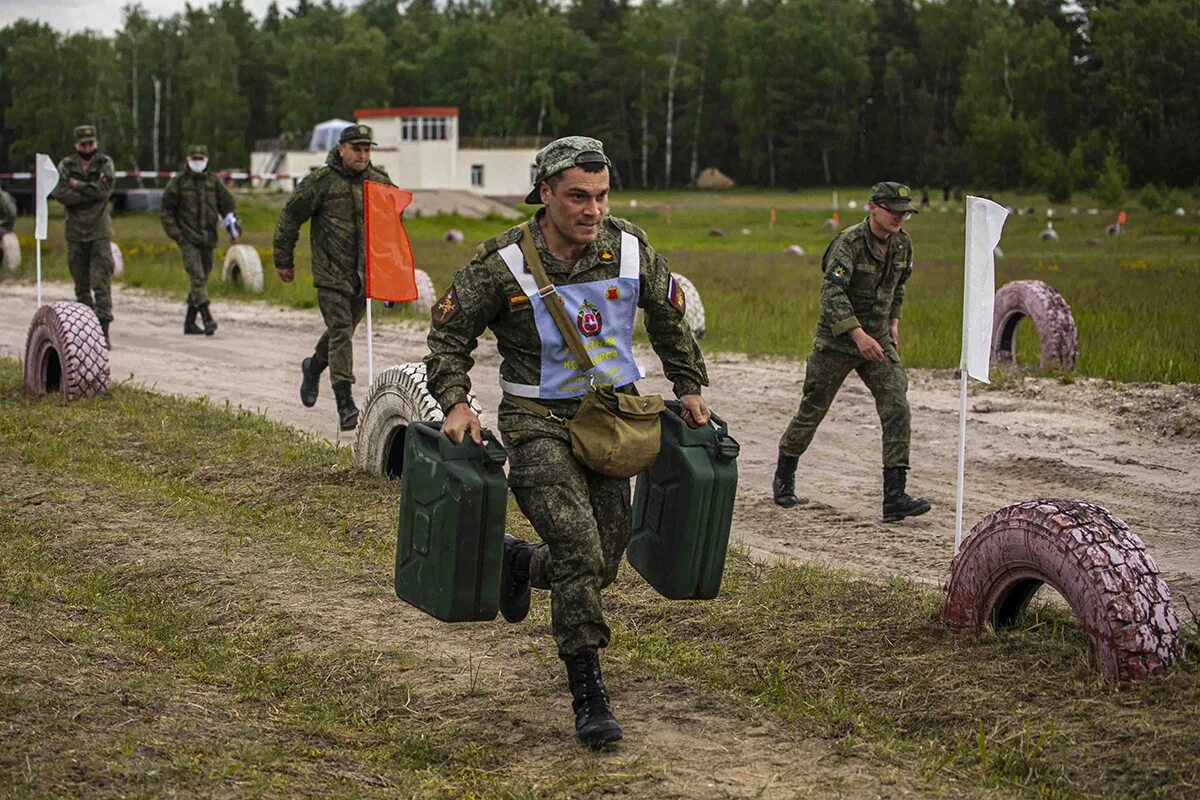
x: 85, y: 182
x: 194, y: 201
x: 866, y: 269
x: 332, y: 197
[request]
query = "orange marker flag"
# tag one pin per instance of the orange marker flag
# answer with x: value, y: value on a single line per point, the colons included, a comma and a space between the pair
x: 390, y: 265
x: 772, y: 216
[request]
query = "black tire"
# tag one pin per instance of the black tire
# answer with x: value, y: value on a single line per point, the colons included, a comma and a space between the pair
x: 1099, y: 566
x: 1050, y: 315
x: 396, y: 398
x: 64, y: 351
x: 10, y: 252
x: 243, y: 265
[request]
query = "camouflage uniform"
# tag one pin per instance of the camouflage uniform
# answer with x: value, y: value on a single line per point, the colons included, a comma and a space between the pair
x: 8, y: 213
x: 582, y: 517
x: 193, y: 204
x: 862, y: 288
x: 332, y: 197
x: 89, y: 228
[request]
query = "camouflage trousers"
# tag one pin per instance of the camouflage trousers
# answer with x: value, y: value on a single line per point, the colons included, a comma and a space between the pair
x: 197, y: 263
x: 91, y: 266
x: 342, y: 313
x: 823, y: 377
x: 583, y: 518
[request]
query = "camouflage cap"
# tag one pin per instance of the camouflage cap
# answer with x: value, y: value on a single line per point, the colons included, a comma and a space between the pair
x: 564, y: 153
x: 895, y: 197
x: 197, y: 150
x: 85, y: 133
x: 355, y: 134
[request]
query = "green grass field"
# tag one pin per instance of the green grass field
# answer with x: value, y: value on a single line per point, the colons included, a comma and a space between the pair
x: 173, y: 574
x: 1133, y: 297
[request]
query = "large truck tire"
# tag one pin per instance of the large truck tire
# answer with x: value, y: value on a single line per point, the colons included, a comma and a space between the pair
x: 118, y: 259
x: 425, y: 292
x: 1050, y: 315
x: 64, y: 351
x: 242, y: 265
x: 1099, y: 566
x: 10, y: 252
x: 397, y: 397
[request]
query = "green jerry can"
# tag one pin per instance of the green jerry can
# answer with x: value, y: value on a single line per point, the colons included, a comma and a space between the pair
x: 683, y: 508
x: 450, y: 530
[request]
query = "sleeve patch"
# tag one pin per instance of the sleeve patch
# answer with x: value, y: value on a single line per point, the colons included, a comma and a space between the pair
x: 446, y: 308
x: 675, y: 295
x: 838, y: 273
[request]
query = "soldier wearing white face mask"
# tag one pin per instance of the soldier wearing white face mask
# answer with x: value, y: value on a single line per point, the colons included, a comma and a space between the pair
x: 193, y: 204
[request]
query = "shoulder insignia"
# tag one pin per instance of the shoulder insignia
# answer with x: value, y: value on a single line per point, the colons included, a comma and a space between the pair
x: 675, y: 295
x: 629, y: 227
x: 446, y: 308
x: 496, y: 242
x: 838, y: 273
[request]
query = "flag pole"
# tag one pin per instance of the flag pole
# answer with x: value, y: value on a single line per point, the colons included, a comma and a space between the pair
x: 39, y: 273
x: 370, y: 350
x: 962, y: 395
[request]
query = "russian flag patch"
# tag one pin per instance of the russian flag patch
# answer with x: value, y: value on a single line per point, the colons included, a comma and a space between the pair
x: 675, y: 294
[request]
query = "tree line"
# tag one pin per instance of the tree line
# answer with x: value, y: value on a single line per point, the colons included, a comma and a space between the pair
x: 991, y: 93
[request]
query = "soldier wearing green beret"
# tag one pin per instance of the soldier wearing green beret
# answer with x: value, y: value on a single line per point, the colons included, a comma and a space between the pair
x: 194, y: 202
x: 603, y: 270
x: 332, y: 197
x: 85, y: 183
x: 866, y: 268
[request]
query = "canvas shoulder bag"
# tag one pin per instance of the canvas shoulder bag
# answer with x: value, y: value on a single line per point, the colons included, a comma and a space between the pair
x: 615, y: 434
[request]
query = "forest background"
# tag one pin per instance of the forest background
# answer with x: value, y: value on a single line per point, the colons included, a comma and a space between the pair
x: 1033, y: 94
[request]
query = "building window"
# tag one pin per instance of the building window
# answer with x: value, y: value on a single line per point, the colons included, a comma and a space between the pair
x: 410, y: 129
x: 433, y: 129
x: 477, y: 175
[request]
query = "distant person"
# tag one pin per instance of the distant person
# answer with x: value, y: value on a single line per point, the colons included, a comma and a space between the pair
x: 866, y: 268
x: 946, y: 191
x: 332, y: 197
x: 925, y: 198
x: 194, y: 203
x: 85, y: 183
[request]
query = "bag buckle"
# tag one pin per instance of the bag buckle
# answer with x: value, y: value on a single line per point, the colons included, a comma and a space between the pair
x: 547, y: 290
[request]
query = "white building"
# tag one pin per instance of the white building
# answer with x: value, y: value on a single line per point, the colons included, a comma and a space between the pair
x: 420, y: 149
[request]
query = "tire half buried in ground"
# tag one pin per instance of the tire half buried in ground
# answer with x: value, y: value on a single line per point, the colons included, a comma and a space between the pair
x: 1050, y: 315
x: 397, y: 397
x: 10, y: 252
x: 242, y: 265
x: 64, y: 351
x: 425, y: 292
x: 1099, y: 566
x: 118, y: 259
x: 693, y: 308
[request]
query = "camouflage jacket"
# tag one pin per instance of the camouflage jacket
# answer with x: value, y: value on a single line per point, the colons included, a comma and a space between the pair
x: 484, y: 294
x: 192, y: 206
x: 87, y: 204
x: 861, y: 288
x: 8, y: 212
x: 332, y: 197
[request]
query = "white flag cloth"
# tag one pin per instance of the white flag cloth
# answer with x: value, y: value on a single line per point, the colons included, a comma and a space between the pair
x: 985, y: 222
x: 47, y: 178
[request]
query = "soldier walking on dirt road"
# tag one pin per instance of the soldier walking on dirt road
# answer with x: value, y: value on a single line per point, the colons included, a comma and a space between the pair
x: 603, y: 270
x: 332, y: 197
x: 866, y: 268
x: 85, y: 182
x: 193, y: 203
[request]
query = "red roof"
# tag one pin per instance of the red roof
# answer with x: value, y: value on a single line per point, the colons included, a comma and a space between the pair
x: 408, y: 111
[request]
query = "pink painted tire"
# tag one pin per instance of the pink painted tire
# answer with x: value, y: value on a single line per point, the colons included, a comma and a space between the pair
x: 1050, y: 315
x: 65, y: 352
x: 1099, y: 566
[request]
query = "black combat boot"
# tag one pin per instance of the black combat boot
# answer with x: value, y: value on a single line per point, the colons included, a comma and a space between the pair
x: 347, y: 411
x: 310, y: 381
x: 210, y: 324
x: 189, y: 321
x: 104, y: 323
x: 784, y: 484
x: 595, y: 724
x: 896, y: 504
x: 514, y: 578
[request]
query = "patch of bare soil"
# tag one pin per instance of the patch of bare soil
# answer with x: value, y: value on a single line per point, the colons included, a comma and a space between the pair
x: 1133, y: 449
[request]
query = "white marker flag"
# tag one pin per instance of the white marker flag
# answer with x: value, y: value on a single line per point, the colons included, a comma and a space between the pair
x: 985, y: 222
x: 46, y: 179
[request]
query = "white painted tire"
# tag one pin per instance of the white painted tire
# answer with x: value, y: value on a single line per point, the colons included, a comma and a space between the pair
x: 10, y: 252
x: 693, y: 309
x: 425, y: 292
x: 398, y: 396
x: 242, y: 265
x: 118, y: 259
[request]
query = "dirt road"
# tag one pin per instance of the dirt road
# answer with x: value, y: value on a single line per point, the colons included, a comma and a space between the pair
x: 1134, y: 449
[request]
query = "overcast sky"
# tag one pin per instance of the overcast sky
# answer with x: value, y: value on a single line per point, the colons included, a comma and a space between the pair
x: 104, y: 15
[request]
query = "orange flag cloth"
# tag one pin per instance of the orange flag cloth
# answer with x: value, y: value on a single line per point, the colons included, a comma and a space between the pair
x: 390, y: 265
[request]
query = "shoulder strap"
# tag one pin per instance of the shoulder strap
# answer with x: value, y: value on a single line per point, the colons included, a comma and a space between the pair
x: 557, y: 312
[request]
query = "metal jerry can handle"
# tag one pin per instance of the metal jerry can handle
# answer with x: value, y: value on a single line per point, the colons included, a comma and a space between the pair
x: 726, y: 447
